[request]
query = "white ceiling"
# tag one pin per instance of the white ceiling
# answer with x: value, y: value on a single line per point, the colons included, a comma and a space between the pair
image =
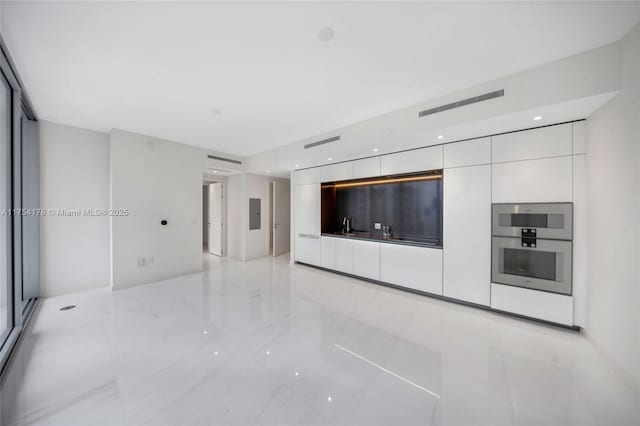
x: 244, y: 78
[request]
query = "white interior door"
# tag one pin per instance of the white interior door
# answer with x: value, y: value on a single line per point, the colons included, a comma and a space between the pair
x: 215, y: 218
x: 281, y: 218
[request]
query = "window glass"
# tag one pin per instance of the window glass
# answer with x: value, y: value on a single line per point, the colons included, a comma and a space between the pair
x: 5, y: 204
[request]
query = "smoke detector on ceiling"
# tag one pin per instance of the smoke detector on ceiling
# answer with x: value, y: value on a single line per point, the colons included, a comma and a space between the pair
x: 325, y: 34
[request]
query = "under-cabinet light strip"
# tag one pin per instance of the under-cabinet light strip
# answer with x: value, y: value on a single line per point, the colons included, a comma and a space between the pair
x: 383, y: 181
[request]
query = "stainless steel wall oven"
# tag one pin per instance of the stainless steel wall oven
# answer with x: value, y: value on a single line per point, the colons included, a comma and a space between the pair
x: 532, y: 246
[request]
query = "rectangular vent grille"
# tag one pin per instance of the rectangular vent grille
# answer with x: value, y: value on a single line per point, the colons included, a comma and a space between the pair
x: 322, y: 142
x: 469, y: 101
x: 228, y: 160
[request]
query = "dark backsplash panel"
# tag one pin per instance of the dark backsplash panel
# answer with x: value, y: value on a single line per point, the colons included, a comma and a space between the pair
x: 412, y: 209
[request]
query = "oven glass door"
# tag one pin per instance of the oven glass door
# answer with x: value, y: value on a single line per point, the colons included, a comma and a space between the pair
x: 550, y: 220
x: 546, y: 267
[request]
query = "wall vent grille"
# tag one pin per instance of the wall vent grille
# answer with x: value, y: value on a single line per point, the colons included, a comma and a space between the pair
x: 228, y: 160
x: 322, y: 142
x: 464, y: 102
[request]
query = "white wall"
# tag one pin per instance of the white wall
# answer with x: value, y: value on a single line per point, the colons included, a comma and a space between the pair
x: 245, y: 244
x: 235, y: 218
x: 565, y: 89
x: 74, y: 251
x: 613, y: 197
x: 257, y: 240
x: 155, y: 179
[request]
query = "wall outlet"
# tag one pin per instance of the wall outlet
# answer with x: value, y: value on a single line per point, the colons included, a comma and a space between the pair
x: 377, y: 225
x: 152, y: 260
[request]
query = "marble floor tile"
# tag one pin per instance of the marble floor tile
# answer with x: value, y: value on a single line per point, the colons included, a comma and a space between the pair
x: 268, y: 343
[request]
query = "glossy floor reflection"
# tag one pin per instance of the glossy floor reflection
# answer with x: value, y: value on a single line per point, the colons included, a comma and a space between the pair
x: 269, y: 343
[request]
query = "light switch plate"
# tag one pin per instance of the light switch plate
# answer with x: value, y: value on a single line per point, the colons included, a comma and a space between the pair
x: 377, y: 226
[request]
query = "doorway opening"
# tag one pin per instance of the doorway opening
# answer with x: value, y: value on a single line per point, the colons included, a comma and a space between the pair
x: 213, y: 218
x: 279, y: 217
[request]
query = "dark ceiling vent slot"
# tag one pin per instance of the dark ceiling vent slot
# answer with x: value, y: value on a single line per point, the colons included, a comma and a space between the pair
x: 322, y: 142
x: 228, y: 160
x: 469, y: 101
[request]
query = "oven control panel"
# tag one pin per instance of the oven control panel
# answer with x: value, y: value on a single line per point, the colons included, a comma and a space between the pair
x: 528, y: 237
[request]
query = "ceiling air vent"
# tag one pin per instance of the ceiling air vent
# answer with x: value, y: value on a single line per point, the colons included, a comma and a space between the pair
x: 322, y: 142
x: 228, y: 160
x: 458, y: 104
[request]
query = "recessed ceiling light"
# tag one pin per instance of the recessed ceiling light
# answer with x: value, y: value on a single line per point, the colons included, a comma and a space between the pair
x: 297, y: 165
x: 537, y: 117
x: 440, y: 136
x: 325, y: 34
x: 268, y: 171
x: 375, y: 149
x: 329, y: 159
x: 215, y: 171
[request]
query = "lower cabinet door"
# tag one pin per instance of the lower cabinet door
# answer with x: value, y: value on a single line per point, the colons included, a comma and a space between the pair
x: 419, y: 268
x: 366, y: 259
x: 328, y: 252
x: 308, y: 249
x: 344, y: 255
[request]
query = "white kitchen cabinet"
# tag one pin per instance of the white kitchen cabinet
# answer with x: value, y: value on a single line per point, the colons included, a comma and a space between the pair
x: 366, y: 259
x: 579, y: 137
x: 552, y: 141
x: 416, y: 160
x: 308, y: 249
x: 419, y: 268
x: 579, y: 240
x: 336, y: 172
x: 344, y: 255
x: 308, y: 176
x: 467, y: 153
x: 307, y: 209
x: 367, y: 167
x: 467, y: 234
x: 542, y: 305
x: 328, y: 252
x: 533, y: 181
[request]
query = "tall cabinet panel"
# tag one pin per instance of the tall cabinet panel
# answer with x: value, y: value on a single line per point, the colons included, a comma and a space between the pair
x: 467, y: 234
x: 307, y: 218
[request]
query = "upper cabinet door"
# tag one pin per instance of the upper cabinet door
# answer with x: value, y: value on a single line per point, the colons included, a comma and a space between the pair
x: 546, y: 180
x: 552, y: 141
x: 367, y: 167
x: 416, y: 160
x: 579, y: 137
x: 336, y: 172
x: 467, y: 153
x: 307, y: 209
x: 308, y: 176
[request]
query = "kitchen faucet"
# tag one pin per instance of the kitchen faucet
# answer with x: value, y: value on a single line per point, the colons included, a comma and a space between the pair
x: 346, y: 224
